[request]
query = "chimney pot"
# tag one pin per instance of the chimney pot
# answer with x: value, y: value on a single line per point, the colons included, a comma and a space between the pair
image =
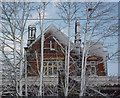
x: 31, y: 34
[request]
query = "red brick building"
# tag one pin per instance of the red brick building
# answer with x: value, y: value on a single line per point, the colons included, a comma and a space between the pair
x: 55, y: 44
x: 97, y: 59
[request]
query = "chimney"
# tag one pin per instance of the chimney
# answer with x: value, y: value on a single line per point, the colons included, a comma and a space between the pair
x: 77, y: 33
x: 31, y: 34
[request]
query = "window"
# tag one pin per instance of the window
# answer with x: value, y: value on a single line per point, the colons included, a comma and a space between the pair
x: 92, y: 65
x: 52, y: 45
x: 32, y: 32
x: 51, y: 67
x: 45, y: 70
x: 92, y: 62
x: 93, y: 70
x: 55, y: 70
x: 55, y: 63
x: 50, y: 70
x: 50, y: 63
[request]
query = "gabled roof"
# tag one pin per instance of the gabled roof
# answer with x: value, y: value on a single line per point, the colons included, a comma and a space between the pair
x: 96, y: 48
x: 60, y: 36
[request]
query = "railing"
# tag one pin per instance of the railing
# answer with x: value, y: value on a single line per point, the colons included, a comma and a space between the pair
x: 91, y: 80
x: 100, y: 80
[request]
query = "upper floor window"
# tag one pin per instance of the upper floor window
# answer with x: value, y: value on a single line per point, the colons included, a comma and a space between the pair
x: 52, y: 45
x: 93, y: 62
x: 93, y: 70
x: 92, y: 65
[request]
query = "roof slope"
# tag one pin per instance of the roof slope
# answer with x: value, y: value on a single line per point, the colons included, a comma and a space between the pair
x: 96, y: 48
x: 60, y: 36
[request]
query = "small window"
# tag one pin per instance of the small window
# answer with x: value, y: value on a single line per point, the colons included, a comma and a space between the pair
x: 55, y: 63
x: 52, y: 45
x: 93, y: 70
x: 59, y: 63
x: 92, y: 62
x: 55, y: 70
x: 50, y: 71
x: 50, y: 63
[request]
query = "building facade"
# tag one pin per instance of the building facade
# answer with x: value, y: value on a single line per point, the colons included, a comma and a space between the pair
x: 55, y: 47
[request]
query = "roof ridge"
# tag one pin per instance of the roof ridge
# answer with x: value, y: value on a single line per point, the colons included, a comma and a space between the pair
x: 56, y: 32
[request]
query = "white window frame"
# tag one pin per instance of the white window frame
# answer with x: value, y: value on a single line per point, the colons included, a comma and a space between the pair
x: 47, y: 66
x: 51, y: 48
x: 91, y: 70
x: 94, y: 62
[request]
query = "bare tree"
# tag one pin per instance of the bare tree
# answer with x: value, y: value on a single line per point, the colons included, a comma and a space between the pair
x: 14, y: 18
x: 95, y: 27
x: 41, y: 9
x: 67, y: 12
x: 94, y: 21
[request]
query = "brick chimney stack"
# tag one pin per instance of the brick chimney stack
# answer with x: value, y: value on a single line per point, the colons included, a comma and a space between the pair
x: 31, y: 34
x: 77, y: 33
x: 77, y: 41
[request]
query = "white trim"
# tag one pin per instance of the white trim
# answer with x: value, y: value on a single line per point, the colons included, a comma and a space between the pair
x: 51, y: 48
x: 58, y: 42
x: 94, y: 70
